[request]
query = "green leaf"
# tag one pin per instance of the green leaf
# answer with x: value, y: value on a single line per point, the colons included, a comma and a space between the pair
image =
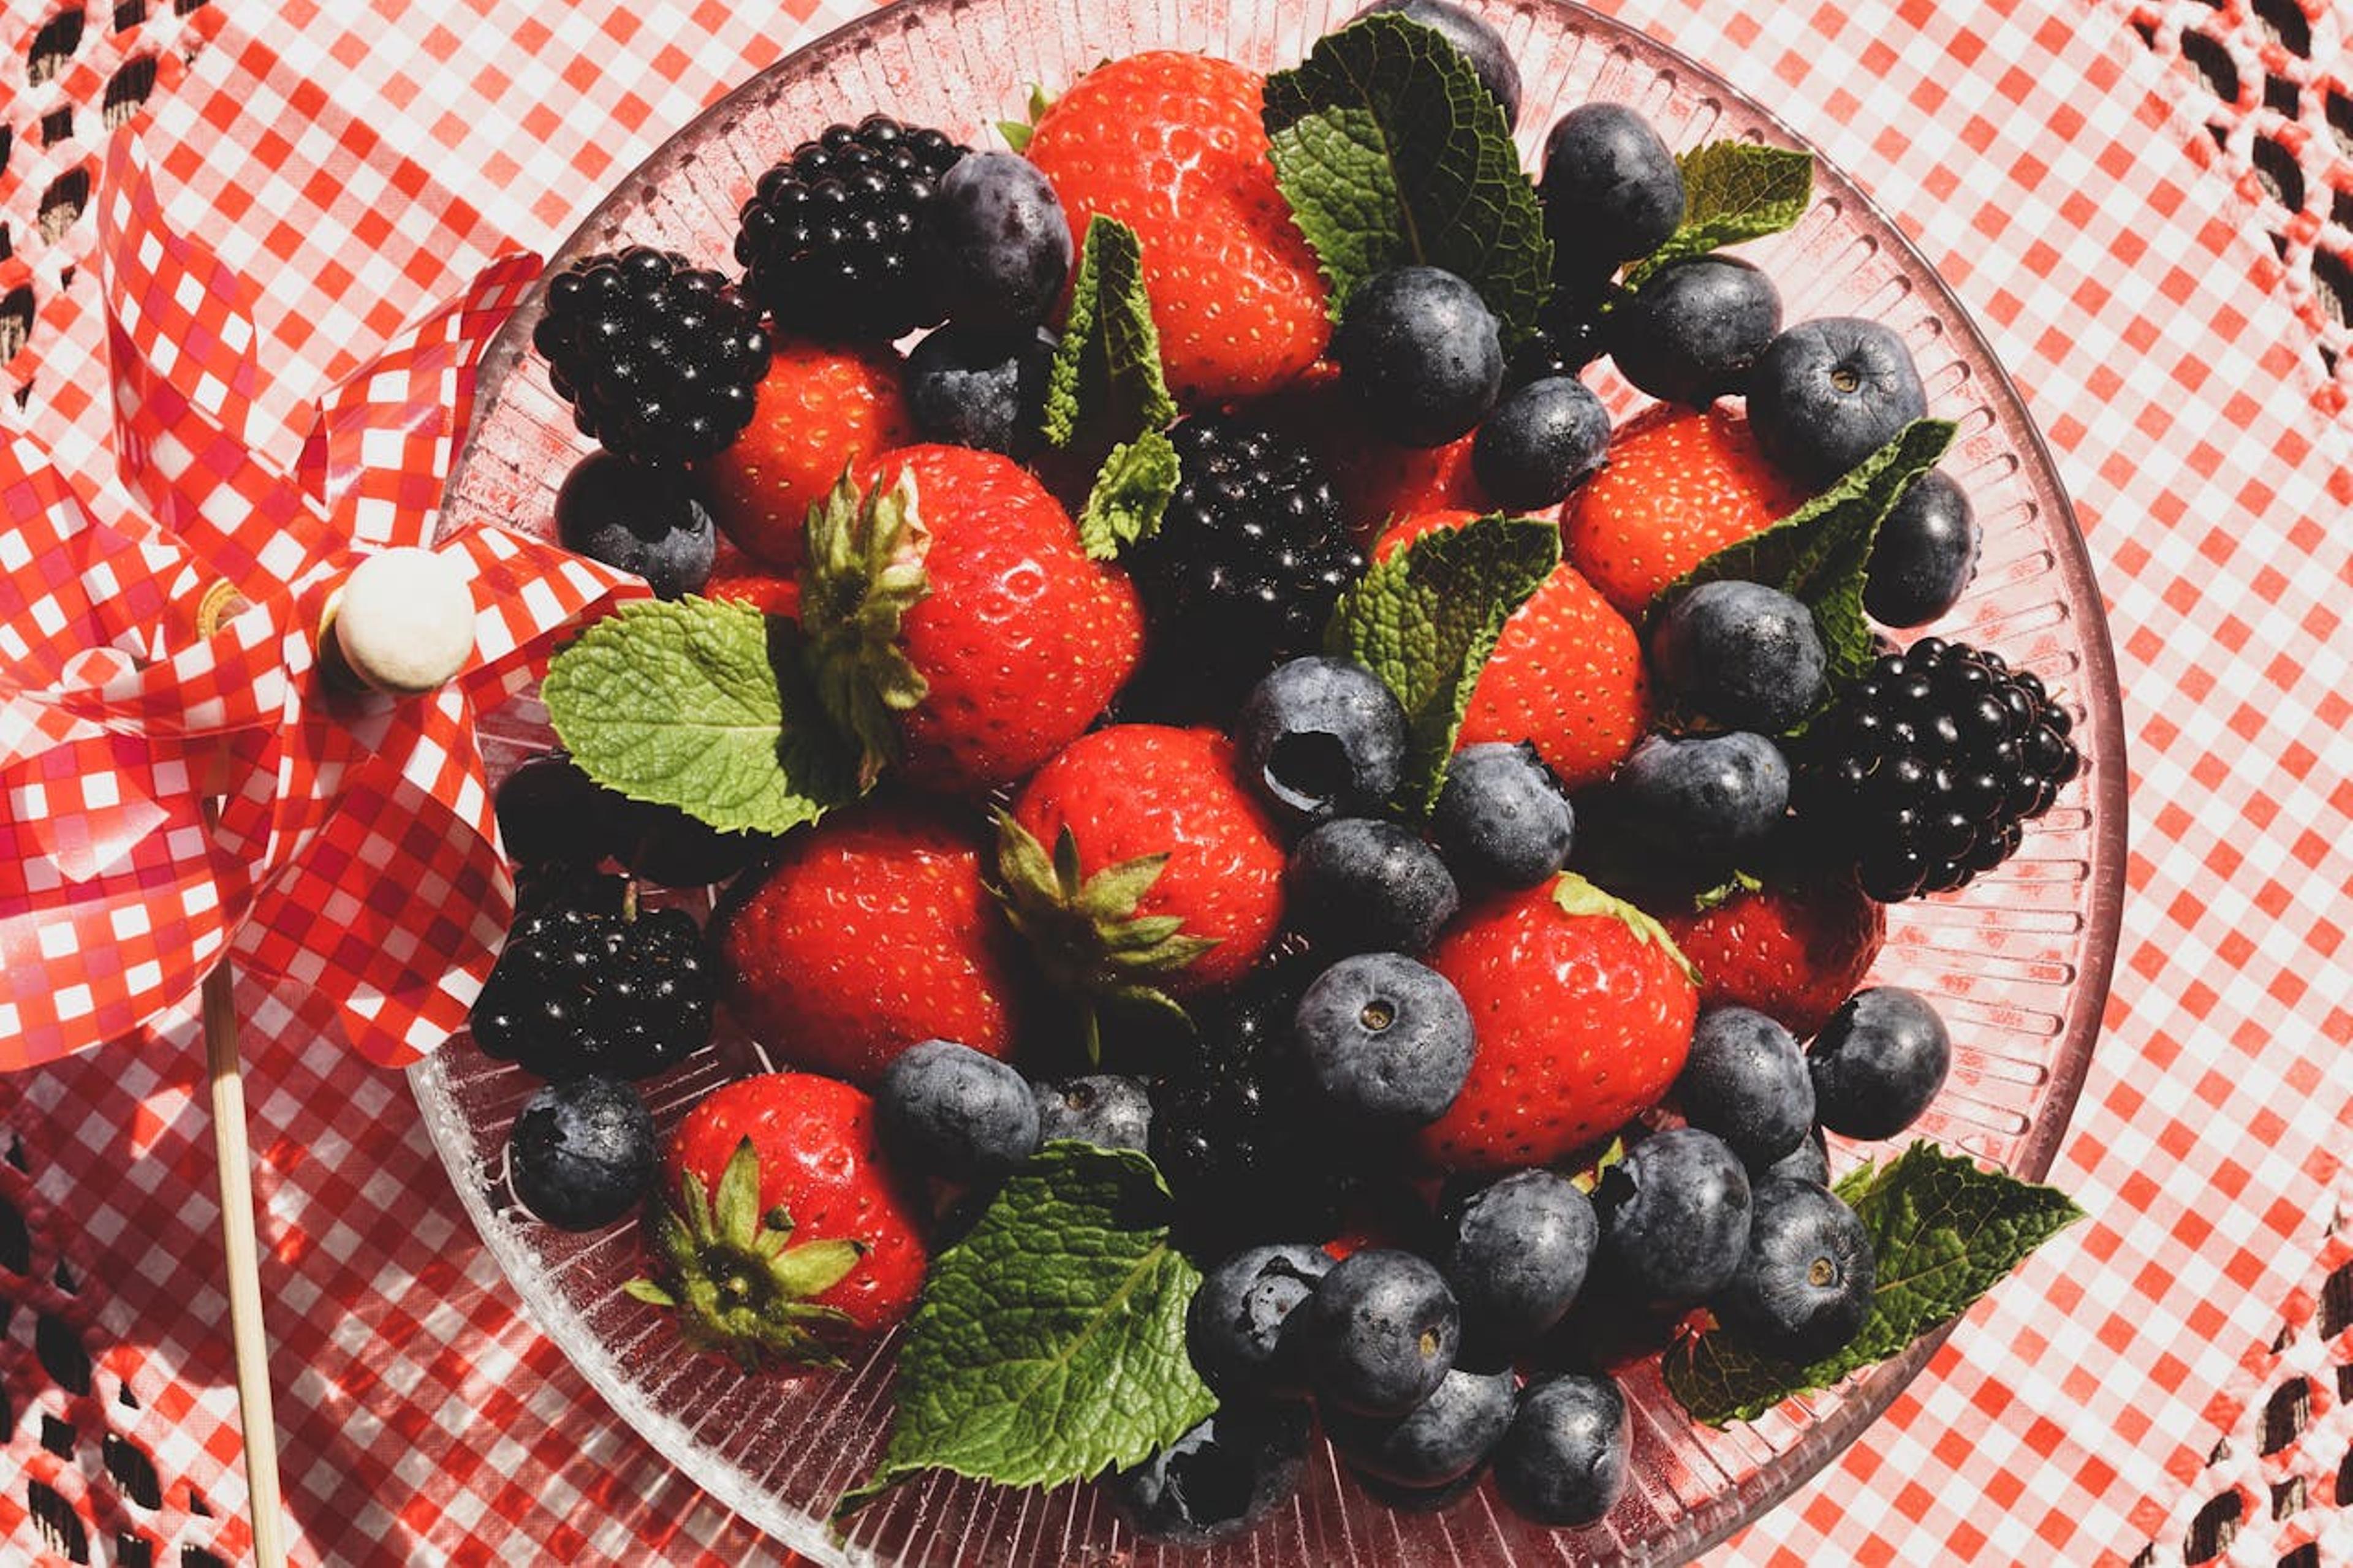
x: 1943, y: 1233
x: 1390, y: 151
x: 700, y: 704
x: 1017, y: 132
x: 1107, y: 382
x: 1819, y: 553
x: 1050, y: 1346
x: 865, y: 571
x: 1130, y: 495
x: 1425, y: 620
x: 1733, y: 191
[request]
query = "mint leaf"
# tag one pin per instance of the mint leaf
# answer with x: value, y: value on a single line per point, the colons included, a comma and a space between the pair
x: 1819, y: 553
x: 1050, y: 1346
x: 700, y: 704
x: 1107, y: 380
x: 1733, y: 191
x: 1425, y: 620
x: 1390, y: 152
x: 1130, y: 495
x: 1943, y: 1233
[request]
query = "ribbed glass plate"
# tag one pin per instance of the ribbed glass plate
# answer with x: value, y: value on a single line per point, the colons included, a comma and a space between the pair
x: 2019, y: 962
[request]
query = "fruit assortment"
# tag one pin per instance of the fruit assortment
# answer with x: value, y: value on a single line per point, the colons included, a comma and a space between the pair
x: 1291, y: 871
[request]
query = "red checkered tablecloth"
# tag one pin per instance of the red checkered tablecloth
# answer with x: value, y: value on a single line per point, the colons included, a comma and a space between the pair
x: 2136, y: 1388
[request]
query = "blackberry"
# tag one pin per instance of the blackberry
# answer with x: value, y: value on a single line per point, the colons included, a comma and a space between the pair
x: 1234, y: 1131
x: 830, y: 240
x: 580, y: 991
x: 659, y: 360
x: 1931, y: 764
x: 1250, y: 556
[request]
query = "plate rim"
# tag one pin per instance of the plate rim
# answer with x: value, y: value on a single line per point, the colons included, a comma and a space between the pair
x: 2107, y: 781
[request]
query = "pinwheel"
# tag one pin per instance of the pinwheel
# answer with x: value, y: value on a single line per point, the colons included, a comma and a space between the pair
x: 225, y: 733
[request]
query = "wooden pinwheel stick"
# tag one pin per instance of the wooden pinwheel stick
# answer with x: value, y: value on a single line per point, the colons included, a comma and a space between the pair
x: 403, y: 623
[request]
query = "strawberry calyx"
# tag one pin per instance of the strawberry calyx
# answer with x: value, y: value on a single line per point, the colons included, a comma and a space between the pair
x: 736, y: 1281
x: 1084, y: 931
x: 864, y: 573
x: 1575, y: 896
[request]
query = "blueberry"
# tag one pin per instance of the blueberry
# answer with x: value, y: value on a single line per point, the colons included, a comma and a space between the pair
x: 1746, y: 1081
x: 1503, y: 820
x: 1321, y: 737
x: 1359, y: 885
x: 581, y: 1153
x: 1744, y: 654
x: 1926, y: 554
x: 1104, y: 1110
x: 1385, y: 1039
x: 982, y: 386
x: 648, y: 520
x: 1516, y: 1257
x: 662, y: 845
x: 1443, y: 1438
x: 550, y: 813
x: 949, y: 1111
x: 1218, y: 1479
x: 1612, y: 191
x: 1878, y: 1062
x: 1419, y: 1499
x: 1809, y: 1162
x: 1674, y: 1217
x: 1380, y: 1332
x: 1478, y: 40
x: 1707, y: 796
x: 1540, y: 443
x: 995, y: 241
x: 1421, y: 354
x: 1234, y: 1327
x: 1565, y: 1457
x: 1804, y: 1284
x: 1827, y: 394
x: 1695, y: 327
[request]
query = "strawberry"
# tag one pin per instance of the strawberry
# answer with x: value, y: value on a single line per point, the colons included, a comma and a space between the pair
x: 1172, y: 145
x: 782, y: 1238
x: 1680, y: 485
x: 952, y: 613
x: 870, y: 932
x: 1161, y: 807
x: 821, y: 408
x: 735, y: 576
x: 1793, y: 951
x: 1583, y: 1010
x: 1567, y: 675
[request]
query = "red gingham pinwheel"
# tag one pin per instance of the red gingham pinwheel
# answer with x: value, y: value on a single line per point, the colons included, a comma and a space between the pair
x: 183, y: 781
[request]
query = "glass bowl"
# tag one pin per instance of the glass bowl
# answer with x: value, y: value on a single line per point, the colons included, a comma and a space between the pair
x: 2018, y: 963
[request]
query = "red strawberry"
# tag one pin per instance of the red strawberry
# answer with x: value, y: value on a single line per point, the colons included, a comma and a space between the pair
x: 735, y: 576
x: 871, y: 932
x: 1792, y: 951
x: 1583, y: 1010
x: 1132, y: 791
x: 1681, y: 484
x: 821, y: 408
x: 784, y: 1238
x: 1565, y: 675
x: 952, y: 611
x: 1172, y: 145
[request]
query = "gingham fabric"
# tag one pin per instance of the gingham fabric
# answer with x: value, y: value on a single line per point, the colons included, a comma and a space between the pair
x: 359, y: 169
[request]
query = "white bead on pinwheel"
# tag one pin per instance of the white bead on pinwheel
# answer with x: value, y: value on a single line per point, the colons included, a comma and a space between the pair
x: 403, y: 623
